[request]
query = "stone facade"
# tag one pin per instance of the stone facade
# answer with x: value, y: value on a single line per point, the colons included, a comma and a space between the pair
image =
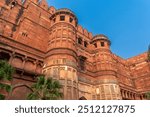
x: 37, y: 39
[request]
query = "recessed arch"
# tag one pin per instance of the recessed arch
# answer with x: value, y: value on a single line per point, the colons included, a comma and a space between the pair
x: 82, y: 98
x: 4, y: 56
x: 20, y: 92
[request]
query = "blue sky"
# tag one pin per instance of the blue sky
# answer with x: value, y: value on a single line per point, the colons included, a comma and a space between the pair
x: 125, y: 22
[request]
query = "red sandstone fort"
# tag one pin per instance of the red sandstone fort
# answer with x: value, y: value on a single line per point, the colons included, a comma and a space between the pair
x: 37, y: 39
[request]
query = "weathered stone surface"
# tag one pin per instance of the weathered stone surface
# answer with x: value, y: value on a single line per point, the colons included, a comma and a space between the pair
x: 37, y: 39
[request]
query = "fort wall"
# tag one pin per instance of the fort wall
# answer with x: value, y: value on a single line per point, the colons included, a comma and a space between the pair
x: 37, y: 39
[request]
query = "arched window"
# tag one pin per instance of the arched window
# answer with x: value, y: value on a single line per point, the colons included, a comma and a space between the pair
x: 102, y: 44
x: 82, y: 60
x: 71, y: 20
x: 95, y: 44
x: 79, y: 40
x: 85, y: 44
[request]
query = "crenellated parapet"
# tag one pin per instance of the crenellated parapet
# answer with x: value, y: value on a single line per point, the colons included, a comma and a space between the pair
x: 84, y: 32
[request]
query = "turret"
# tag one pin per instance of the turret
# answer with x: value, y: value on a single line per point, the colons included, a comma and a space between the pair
x: 101, y: 42
x: 64, y: 15
x: 61, y: 58
x: 107, y: 85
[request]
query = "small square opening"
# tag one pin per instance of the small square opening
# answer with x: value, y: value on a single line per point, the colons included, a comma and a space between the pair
x: 62, y: 18
x: 71, y: 20
x: 95, y: 44
x: 79, y: 40
x: 85, y: 44
x: 102, y: 44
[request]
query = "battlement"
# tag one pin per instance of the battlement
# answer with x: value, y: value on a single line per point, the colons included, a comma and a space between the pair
x: 51, y: 41
x: 84, y: 32
x: 138, y: 58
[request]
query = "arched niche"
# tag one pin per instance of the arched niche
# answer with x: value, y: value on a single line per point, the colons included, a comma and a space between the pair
x: 20, y: 92
x: 65, y: 33
x: 17, y: 62
x: 39, y: 69
x: 4, y: 56
x: 29, y: 66
x: 82, y: 98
